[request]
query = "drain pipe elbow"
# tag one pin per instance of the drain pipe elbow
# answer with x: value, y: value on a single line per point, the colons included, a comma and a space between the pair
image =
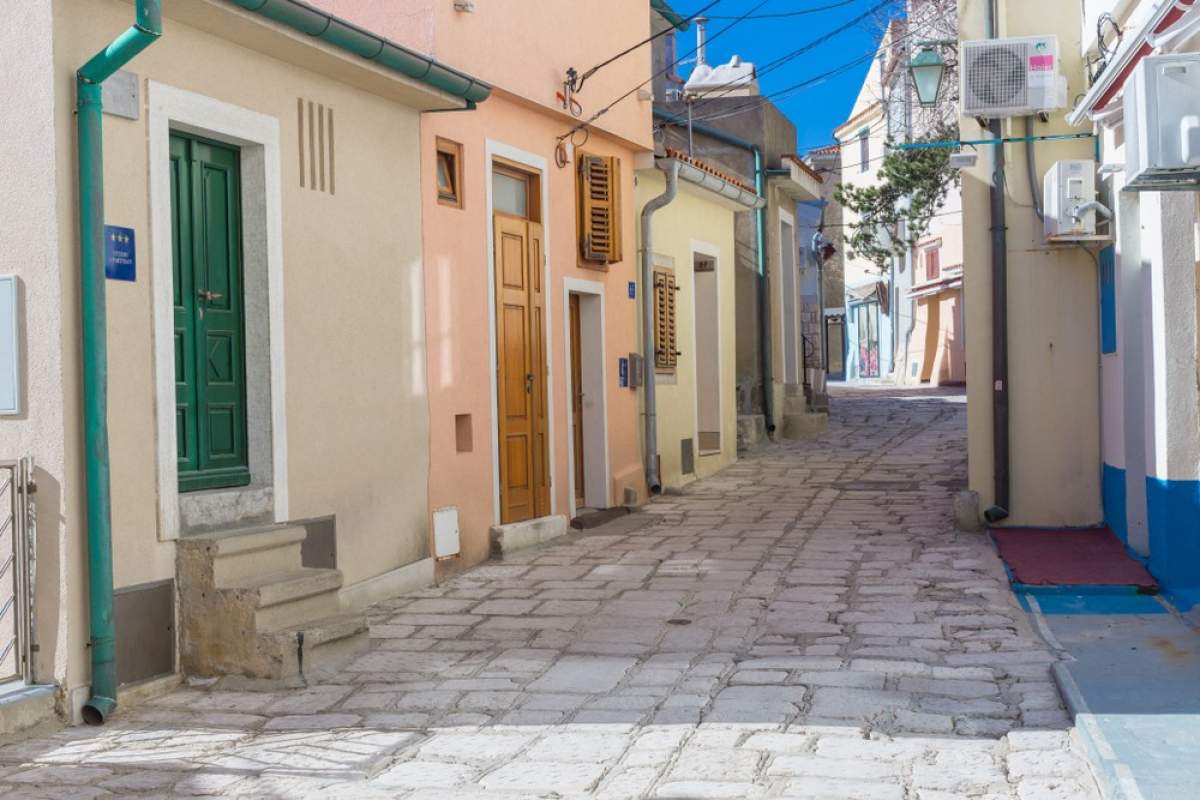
x: 653, y: 480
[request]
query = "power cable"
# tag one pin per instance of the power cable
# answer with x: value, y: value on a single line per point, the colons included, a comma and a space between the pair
x: 788, y: 57
x: 575, y: 81
x: 784, y: 14
x: 604, y: 110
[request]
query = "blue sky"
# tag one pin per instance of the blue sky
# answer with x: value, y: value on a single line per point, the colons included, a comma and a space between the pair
x: 817, y: 109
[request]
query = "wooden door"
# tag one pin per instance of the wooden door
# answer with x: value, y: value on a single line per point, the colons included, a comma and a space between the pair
x: 210, y: 356
x: 521, y: 369
x: 577, y: 402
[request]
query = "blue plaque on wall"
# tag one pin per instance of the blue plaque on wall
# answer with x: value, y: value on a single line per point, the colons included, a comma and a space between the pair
x: 632, y: 290
x: 623, y: 372
x: 120, y: 259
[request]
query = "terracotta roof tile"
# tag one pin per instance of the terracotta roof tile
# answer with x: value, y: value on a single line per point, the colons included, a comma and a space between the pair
x: 710, y: 169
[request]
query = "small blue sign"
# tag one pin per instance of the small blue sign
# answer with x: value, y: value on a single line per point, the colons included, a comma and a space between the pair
x: 632, y: 290
x: 120, y: 258
x: 623, y: 372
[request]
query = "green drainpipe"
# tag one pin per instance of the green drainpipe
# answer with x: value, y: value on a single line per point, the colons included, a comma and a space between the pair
x: 144, y: 31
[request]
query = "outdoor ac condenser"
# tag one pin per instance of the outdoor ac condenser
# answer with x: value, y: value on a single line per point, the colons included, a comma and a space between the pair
x: 1069, y: 190
x: 1162, y: 124
x: 1013, y: 77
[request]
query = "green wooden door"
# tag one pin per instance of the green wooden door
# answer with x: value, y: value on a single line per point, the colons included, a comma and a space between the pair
x: 210, y: 353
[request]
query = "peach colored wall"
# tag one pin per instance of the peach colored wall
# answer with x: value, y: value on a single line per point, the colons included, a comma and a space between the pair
x: 526, y: 46
x: 524, y: 54
x: 457, y: 316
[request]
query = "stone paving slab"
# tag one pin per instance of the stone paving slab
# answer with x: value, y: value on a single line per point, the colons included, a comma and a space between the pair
x: 806, y: 624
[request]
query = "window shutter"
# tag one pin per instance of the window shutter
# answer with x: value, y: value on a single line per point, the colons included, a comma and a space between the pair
x: 666, y: 344
x: 599, y: 209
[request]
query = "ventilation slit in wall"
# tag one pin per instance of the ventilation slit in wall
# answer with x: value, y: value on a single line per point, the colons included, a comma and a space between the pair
x: 314, y: 126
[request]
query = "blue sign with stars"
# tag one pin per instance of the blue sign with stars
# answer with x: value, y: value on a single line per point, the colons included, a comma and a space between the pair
x: 120, y: 258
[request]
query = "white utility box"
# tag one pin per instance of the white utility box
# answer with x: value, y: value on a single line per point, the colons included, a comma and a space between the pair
x: 1070, y: 186
x: 1162, y: 124
x: 1013, y: 77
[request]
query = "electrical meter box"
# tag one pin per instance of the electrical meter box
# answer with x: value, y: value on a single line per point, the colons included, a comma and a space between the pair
x: 1162, y: 124
x: 1069, y: 195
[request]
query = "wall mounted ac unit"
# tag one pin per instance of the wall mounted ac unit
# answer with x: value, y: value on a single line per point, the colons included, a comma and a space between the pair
x: 1162, y: 124
x: 1069, y: 192
x: 1011, y: 77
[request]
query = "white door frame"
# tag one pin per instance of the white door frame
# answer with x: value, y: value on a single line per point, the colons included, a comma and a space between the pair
x: 790, y: 219
x: 596, y: 486
x: 492, y: 149
x: 708, y: 250
x: 257, y: 136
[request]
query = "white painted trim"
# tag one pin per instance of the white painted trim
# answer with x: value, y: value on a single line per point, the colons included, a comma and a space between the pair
x: 580, y: 286
x: 493, y: 148
x: 790, y: 219
x: 709, y: 250
x: 170, y: 107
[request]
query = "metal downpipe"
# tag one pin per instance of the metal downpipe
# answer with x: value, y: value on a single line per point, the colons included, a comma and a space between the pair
x: 94, y: 321
x: 653, y: 481
x: 999, y: 227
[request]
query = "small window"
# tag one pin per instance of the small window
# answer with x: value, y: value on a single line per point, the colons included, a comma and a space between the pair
x: 933, y: 263
x: 449, y: 173
x: 864, y: 150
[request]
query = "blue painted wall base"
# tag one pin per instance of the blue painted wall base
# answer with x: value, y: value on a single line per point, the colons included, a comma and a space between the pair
x: 1173, y: 514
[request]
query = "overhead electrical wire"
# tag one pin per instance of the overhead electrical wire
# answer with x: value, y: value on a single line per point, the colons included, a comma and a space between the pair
x: 783, y: 14
x: 605, y: 109
x: 577, y: 81
x: 758, y: 100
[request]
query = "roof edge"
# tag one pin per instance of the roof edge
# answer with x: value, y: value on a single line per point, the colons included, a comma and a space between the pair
x: 351, y: 38
x: 672, y: 16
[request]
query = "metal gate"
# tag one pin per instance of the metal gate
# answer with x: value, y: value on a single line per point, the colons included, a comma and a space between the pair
x: 16, y: 570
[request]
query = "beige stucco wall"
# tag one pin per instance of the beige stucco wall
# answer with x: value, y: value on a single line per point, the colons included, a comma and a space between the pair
x: 352, y: 307
x: 694, y: 222
x: 30, y: 245
x: 1054, y: 405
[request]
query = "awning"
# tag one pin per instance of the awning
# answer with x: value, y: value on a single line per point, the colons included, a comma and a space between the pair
x: 1166, y: 27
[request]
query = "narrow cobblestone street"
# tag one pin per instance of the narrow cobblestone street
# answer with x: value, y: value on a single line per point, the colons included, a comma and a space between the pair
x: 807, y: 624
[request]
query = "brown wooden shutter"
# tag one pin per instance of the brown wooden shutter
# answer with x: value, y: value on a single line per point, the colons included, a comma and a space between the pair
x: 599, y: 208
x: 666, y: 349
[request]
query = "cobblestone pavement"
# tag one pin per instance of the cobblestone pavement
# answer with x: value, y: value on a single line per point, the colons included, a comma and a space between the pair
x: 807, y: 624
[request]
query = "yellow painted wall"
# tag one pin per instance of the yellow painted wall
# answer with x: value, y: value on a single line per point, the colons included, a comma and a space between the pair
x: 1053, y: 356
x: 357, y: 420
x: 693, y: 217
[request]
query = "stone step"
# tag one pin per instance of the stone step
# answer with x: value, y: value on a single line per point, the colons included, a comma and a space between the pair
x: 795, y: 403
x: 317, y: 649
x: 238, y: 554
x: 285, y: 599
x: 801, y: 426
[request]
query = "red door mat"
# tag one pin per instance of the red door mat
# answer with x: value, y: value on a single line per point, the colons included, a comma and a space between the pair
x: 1088, y: 557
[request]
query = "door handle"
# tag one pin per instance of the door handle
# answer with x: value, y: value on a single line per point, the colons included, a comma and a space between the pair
x: 529, y: 383
x: 208, y: 296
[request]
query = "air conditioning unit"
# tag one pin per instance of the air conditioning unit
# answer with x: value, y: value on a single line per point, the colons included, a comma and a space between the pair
x: 1069, y: 192
x: 1014, y: 77
x: 1162, y: 124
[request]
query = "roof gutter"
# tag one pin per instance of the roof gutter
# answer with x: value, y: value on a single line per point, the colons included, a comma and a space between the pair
x: 760, y: 224
x: 669, y: 14
x: 1104, y: 90
x: 347, y: 36
x: 717, y: 185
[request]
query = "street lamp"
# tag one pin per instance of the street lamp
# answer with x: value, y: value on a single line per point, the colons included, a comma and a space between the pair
x: 927, y: 69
